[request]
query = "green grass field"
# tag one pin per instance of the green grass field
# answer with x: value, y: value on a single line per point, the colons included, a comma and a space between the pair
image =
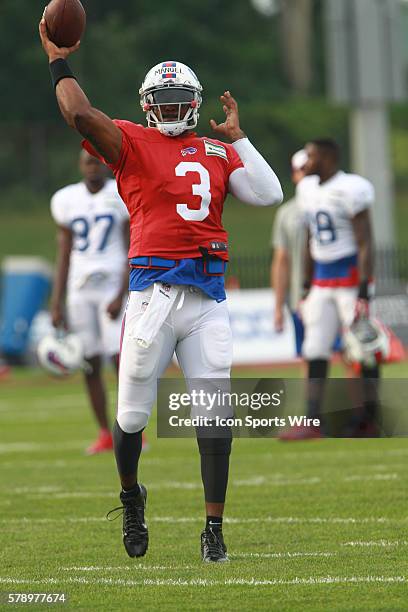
x: 318, y: 525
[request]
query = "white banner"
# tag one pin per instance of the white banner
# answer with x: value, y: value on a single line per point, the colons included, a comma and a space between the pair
x: 255, y: 339
x: 251, y: 313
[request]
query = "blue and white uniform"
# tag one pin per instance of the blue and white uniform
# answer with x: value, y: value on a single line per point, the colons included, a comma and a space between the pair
x: 328, y: 210
x: 97, y: 262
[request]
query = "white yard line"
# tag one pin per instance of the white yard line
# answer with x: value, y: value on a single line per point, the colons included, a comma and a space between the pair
x: 36, y: 447
x: 397, y: 452
x: 126, y: 568
x: 29, y: 490
x: 46, y: 404
x: 277, y: 481
x: 200, y: 582
x: 367, y: 478
x: 326, y: 452
x: 62, y: 463
x: 60, y: 493
x: 381, y: 467
x: 287, y: 520
x: 281, y: 555
x: 379, y: 543
x: 141, y: 567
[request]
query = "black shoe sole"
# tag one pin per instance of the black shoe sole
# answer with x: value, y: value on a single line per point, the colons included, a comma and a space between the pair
x: 130, y: 549
x: 132, y: 553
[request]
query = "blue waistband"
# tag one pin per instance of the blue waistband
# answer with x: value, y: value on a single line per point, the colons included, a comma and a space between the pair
x: 212, y: 265
x: 153, y: 262
x: 340, y: 268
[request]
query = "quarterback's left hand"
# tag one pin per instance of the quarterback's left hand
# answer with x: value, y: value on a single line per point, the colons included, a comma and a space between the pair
x: 230, y: 127
x: 114, y: 308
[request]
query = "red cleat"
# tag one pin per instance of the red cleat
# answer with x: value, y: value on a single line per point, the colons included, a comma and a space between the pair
x: 102, y: 444
x: 5, y: 371
x: 301, y: 432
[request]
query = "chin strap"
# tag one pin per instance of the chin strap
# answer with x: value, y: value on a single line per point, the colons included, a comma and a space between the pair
x: 174, y: 129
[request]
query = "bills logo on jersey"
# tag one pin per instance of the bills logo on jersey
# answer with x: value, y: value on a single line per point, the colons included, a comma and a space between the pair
x: 214, y: 149
x: 188, y: 151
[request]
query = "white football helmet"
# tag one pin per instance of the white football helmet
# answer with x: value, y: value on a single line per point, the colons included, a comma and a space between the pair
x: 366, y: 342
x: 175, y: 86
x: 61, y: 355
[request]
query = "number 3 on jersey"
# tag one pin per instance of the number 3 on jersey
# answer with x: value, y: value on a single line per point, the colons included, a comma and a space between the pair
x: 201, y: 189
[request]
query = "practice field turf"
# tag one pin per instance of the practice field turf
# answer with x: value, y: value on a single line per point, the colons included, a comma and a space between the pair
x: 318, y: 525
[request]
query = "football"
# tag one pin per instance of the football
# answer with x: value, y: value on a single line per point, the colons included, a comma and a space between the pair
x: 66, y: 20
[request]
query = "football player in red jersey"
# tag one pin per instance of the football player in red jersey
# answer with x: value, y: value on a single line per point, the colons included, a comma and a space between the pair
x: 174, y: 185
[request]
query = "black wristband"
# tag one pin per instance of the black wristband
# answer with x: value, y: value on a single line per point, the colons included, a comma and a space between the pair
x: 59, y: 69
x: 363, y: 290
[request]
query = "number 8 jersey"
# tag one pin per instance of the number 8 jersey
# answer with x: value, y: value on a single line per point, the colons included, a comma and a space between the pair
x: 328, y: 209
x: 174, y: 189
x: 96, y: 221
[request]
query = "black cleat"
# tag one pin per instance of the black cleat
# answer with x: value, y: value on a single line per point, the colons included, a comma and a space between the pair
x: 135, y: 533
x: 213, y: 549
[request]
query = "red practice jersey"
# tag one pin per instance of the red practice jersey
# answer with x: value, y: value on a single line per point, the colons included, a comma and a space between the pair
x: 174, y: 189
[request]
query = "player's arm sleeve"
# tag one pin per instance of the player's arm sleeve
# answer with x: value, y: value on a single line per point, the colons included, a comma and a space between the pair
x: 255, y: 183
x: 59, y: 210
x: 361, y: 197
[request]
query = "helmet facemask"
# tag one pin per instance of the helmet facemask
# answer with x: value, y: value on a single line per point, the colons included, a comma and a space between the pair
x: 171, y: 109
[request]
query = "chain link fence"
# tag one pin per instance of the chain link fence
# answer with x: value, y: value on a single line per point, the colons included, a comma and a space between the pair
x: 253, y: 270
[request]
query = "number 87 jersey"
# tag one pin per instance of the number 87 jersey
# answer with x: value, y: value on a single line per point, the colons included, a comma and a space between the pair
x: 174, y: 189
x: 96, y: 221
x: 328, y: 209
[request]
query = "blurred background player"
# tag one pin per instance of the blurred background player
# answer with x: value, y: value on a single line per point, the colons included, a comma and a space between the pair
x: 91, y: 279
x: 288, y: 243
x: 338, y: 271
x: 289, y: 235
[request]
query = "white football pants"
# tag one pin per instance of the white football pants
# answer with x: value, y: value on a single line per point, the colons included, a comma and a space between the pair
x: 197, y: 328
x: 87, y: 317
x: 325, y: 312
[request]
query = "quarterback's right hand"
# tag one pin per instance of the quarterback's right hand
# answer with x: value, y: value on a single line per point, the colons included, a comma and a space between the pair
x: 52, y: 50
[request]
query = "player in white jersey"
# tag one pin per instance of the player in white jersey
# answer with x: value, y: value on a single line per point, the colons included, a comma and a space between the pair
x: 91, y: 280
x: 339, y: 268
